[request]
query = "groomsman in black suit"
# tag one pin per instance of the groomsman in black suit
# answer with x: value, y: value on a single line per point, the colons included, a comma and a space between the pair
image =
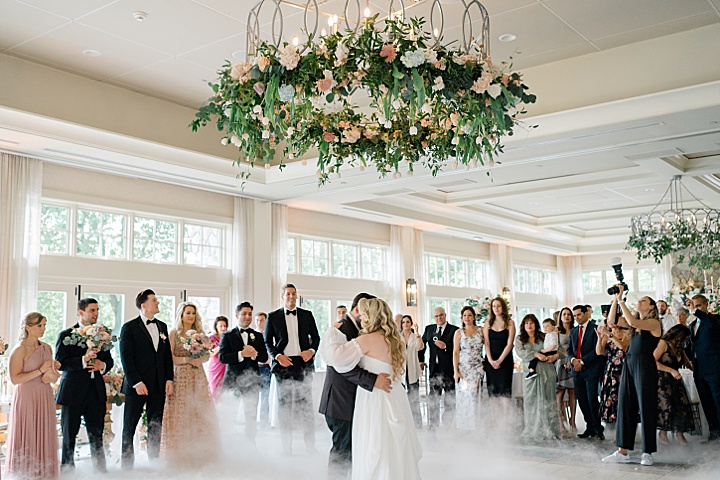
x: 337, y: 401
x: 291, y: 337
x: 587, y: 368
x: 147, y: 360
x: 242, y: 349
x: 82, y: 390
x: 705, y: 353
x: 439, y: 338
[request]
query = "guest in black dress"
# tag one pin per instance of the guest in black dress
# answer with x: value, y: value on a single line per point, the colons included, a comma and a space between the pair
x: 674, y: 410
x: 499, y: 333
x: 638, y: 383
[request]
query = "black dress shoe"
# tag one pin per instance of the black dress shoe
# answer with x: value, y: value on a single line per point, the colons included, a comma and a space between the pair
x: 600, y: 436
x: 586, y: 434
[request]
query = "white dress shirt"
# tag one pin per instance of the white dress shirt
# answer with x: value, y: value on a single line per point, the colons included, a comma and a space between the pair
x: 152, y: 330
x: 668, y: 321
x: 293, y: 346
x: 244, y: 336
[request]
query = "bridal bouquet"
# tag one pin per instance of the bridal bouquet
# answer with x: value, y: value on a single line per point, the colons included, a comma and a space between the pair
x: 198, y: 344
x: 113, y: 385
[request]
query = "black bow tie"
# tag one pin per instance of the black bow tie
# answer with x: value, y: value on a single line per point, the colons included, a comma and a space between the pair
x: 291, y: 312
x: 244, y: 330
x: 148, y: 322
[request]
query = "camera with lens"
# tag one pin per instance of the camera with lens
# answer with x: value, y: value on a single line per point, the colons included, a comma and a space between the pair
x: 435, y: 338
x: 616, y: 263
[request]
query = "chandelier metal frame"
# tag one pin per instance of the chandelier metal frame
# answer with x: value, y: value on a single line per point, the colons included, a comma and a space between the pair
x: 691, y: 232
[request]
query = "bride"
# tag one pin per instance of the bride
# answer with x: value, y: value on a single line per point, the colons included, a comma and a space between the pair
x: 384, y: 442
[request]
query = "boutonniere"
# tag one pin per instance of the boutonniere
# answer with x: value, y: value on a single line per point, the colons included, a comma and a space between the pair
x: 252, y: 337
x: 163, y: 337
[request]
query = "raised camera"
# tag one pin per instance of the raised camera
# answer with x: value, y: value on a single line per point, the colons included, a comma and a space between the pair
x: 616, y: 263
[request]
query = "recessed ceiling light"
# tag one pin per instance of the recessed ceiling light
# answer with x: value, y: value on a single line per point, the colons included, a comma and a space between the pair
x: 140, y: 16
x: 649, y: 189
x: 239, y: 55
x: 507, y: 37
x: 91, y: 53
x: 477, y: 238
x: 555, y: 210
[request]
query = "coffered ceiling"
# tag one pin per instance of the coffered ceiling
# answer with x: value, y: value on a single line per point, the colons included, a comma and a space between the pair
x: 628, y: 94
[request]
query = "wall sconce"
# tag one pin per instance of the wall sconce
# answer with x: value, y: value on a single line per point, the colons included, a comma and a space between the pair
x: 411, y: 292
x: 506, y: 294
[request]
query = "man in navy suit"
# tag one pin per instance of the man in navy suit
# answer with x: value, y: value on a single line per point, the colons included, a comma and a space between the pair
x: 82, y: 390
x: 242, y: 349
x: 438, y: 339
x: 292, y: 338
x: 147, y: 360
x: 587, y: 368
x: 705, y: 352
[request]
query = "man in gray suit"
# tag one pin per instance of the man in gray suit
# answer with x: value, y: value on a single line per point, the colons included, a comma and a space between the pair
x: 337, y: 401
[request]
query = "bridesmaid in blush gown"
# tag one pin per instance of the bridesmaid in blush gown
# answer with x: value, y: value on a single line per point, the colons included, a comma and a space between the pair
x: 32, y: 446
x: 189, y: 411
x: 216, y: 369
x: 384, y: 442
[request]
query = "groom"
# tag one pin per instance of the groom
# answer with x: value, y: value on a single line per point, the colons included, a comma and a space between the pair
x: 147, y: 360
x: 337, y: 401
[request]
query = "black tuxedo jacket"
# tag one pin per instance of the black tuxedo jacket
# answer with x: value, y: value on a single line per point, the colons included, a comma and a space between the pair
x: 705, y: 344
x: 594, y: 363
x: 240, y: 376
x: 445, y: 356
x: 276, y: 334
x: 76, y: 387
x: 338, y: 395
x: 140, y: 360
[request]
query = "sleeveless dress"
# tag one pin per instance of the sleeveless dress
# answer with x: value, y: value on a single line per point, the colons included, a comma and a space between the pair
x: 566, y: 381
x: 674, y: 410
x: 468, y: 389
x: 190, y: 431
x: 32, y: 446
x: 611, y: 383
x: 216, y: 370
x: 499, y: 382
x: 384, y: 442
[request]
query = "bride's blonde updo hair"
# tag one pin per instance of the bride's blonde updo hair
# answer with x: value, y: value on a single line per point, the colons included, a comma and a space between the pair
x: 377, y: 316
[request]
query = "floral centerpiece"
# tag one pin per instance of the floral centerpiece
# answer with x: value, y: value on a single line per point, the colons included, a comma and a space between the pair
x: 198, y: 344
x: 481, y: 307
x: 113, y: 385
x: 428, y: 103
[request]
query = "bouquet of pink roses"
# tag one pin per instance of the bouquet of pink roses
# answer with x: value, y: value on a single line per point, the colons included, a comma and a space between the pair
x: 97, y: 337
x: 113, y: 385
x: 198, y: 344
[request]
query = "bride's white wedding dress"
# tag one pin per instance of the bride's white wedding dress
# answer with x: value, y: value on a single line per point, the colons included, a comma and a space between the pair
x: 384, y: 442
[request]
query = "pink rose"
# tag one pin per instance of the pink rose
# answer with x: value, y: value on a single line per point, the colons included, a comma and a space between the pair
x: 324, y: 85
x: 388, y: 53
x: 328, y: 137
x: 263, y: 62
x: 259, y: 88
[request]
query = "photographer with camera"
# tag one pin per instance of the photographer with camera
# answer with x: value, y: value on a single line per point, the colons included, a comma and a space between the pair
x: 638, y: 392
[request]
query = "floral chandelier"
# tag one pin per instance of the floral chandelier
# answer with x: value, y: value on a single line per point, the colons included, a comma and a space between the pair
x: 692, y: 233
x: 429, y: 103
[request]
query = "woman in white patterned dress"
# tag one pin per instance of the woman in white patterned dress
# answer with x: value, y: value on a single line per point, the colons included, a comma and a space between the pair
x: 467, y: 360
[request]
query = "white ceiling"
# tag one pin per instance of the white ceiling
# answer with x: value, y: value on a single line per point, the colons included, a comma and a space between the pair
x: 568, y: 186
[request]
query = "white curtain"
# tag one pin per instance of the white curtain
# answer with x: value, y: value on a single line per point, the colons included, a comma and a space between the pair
x: 664, y: 281
x: 20, y: 205
x: 279, y: 250
x: 501, y: 274
x: 396, y: 270
x: 570, y: 288
x: 242, y: 251
x: 418, y: 249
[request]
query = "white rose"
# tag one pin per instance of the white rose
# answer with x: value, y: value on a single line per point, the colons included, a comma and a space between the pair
x: 494, y: 90
x: 413, y: 130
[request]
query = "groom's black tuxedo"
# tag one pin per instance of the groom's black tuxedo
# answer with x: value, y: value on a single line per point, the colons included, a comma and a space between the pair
x: 276, y: 336
x: 245, y: 375
x: 81, y: 395
x: 154, y: 368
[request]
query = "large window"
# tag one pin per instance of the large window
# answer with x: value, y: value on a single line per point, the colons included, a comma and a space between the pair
x: 452, y: 307
x: 100, y: 234
x: 455, y: 271
x: 539, y: 281
x: 208, y: 308
x: 111, y: 314
x: 53, y: 305
x: 68, y: 229
x: 326, y: 257
x: 641, y: 279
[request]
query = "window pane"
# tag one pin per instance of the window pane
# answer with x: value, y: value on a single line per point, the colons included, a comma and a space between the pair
x: 520, y: 277
x: 456, y: 272
x: 54, y: 230
x: 548, y: 283
x: 345, y: 260
x: 476, y: 274
x: 456, y: 305
x: 101, y: 234
x: 291, y: 255
x: 53, y: 305
x: 203, y: 245
x: 535, y: 280
x: 88, y: 244
x: 111, y: 307
x: 321, y: 312
x: 646, y: 279
x: 167, y: 310
x: 208, y: 308
x: 592, y: 282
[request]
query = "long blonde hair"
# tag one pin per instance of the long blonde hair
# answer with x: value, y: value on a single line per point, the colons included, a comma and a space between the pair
x: 377, y: 316
x: 179, y: 327
x: 29, y: 320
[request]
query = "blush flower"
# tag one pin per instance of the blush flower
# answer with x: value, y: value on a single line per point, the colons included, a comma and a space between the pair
x: 240, y: 72
x: 388, y: 53
x: 326, y: 83
x: 328, y: 137
x: 262, y: 62
x: 482, y: 83
x: 289, y: 57
x: 259, y: 88
x: 351, y: 135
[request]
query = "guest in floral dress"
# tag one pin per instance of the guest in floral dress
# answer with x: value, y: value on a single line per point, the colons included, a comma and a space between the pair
x: 189, y: 411
x: 674, y: 410
x: 467, y: 361
x: 216, y: 369
x: 613, y: 342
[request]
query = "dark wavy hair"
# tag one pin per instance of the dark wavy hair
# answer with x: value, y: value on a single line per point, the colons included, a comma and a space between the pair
x: 218, y: 320
x: 524, y: 336
x: 561, y: 327
x: 676, y: 338
x: 505, y: 314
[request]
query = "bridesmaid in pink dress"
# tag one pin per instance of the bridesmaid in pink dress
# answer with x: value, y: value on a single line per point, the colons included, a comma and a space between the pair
x: 216, y: 370
x: 32, y: 450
